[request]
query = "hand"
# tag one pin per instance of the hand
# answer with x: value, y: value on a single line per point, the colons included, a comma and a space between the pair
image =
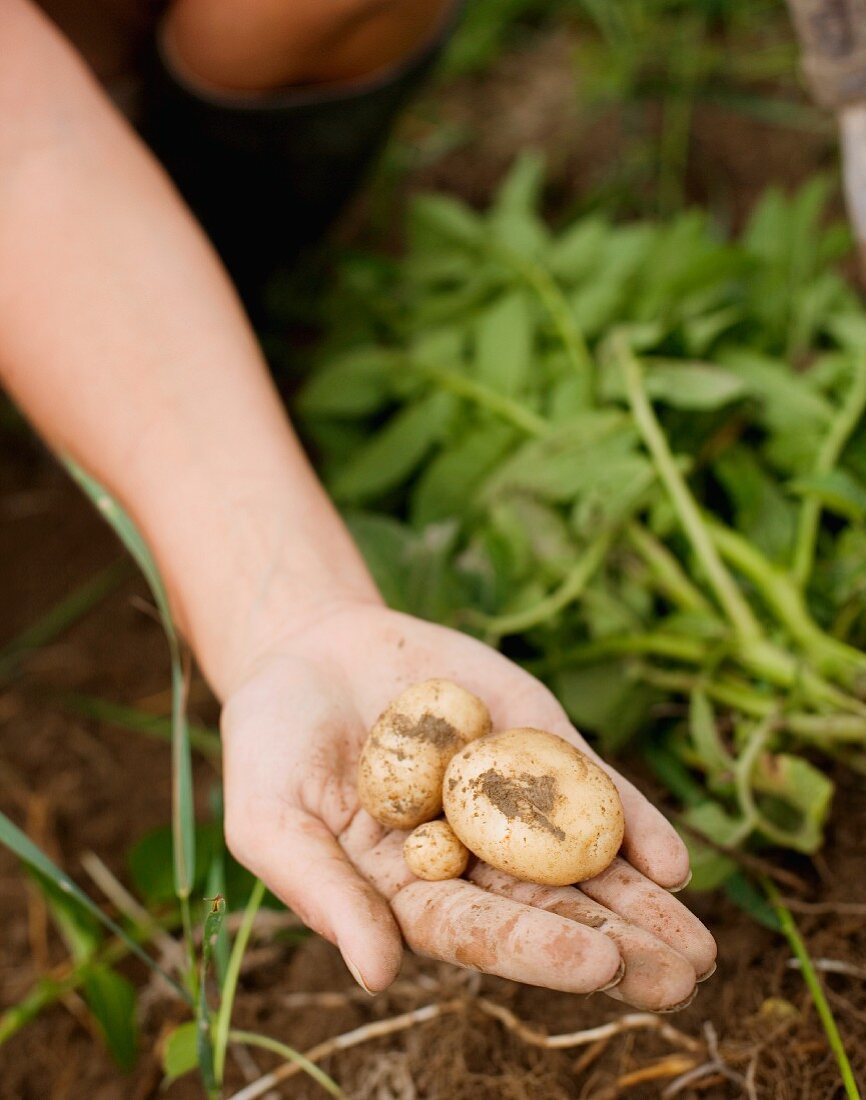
x: 292, y: 734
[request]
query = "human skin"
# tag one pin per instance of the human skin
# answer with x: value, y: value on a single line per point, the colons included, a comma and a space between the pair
x: 124, y: 342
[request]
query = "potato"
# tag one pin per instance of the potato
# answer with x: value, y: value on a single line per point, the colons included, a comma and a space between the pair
x: 433, y: 852
x: 531, y: 804
x: 404, y: 758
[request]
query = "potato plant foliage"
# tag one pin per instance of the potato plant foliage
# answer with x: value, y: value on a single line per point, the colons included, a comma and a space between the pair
x: 633, y: 457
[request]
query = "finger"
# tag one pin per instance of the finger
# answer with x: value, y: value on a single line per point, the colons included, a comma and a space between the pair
x: 651, y: 843
x: 624, y: 890
x: 302, y: 863
x: 459, y: 923
x: 657, y: 978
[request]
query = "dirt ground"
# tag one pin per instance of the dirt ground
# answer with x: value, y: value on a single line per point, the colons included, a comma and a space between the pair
x: 78, y: 785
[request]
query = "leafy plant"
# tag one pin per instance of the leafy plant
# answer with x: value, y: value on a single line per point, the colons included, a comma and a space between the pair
x: 630, y: 456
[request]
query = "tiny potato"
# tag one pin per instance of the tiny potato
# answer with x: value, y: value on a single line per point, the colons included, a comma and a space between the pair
x: 433, y: 852
x: 404, y: 758
x: 529, y: 803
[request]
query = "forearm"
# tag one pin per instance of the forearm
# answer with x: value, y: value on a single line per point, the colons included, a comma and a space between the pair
x: 123, y: 341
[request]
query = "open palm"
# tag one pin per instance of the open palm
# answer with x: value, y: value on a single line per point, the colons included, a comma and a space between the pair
x: 292, y: 734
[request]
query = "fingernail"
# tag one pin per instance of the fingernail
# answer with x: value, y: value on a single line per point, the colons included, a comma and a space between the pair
x: 682, y: 885
x: 356, y: 974
x: 615, y: 980
x: 707, y: 974
x: 680, y: 1006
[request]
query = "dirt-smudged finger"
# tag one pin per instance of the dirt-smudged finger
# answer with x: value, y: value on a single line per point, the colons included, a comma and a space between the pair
x: 459, y: 923
x: 656, y: 978
x: 624, y: 890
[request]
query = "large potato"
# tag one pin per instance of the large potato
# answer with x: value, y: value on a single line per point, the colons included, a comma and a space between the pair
x: 528, y: 803
x: 404, y: 758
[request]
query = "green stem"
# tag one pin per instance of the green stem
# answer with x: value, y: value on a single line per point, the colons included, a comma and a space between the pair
x: 251, y: 1039
x: 816, y: 990
x: 497, y: 626
x: 786, y: 602
x: 822, y: 730
x: 230, y: 985
x: 559, y: 311
x: 729, y: 596
x: 667, y: 571
x: 486, y: 398
x: 841, y: 428
x: 678, y: 647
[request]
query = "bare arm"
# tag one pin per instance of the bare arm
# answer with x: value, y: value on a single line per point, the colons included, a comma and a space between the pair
x: 122, y: 339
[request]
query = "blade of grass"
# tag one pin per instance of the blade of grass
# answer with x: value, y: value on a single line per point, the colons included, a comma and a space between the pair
x: 816, y: 990
x: 251, y: 1039
x: 230, y: 982
x: 183, y: 812
x: 204, y: 1044
x: 727, y: 593
x: 201, y: 738
x: 62, y: 615
x: 32, y: 856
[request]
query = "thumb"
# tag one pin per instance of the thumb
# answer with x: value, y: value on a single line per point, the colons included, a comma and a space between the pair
x: 300, y: 861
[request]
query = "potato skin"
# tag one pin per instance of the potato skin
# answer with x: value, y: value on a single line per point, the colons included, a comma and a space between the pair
x: 404, y: 758
x: 529, y: 803
x: 434, y: 852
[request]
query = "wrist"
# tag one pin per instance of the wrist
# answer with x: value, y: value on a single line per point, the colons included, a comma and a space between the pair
x: 263, y: 594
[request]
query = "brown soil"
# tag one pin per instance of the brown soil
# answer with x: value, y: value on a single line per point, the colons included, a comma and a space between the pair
x: 77, y: 785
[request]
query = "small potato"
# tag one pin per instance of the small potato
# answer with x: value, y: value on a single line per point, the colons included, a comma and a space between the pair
x: 404, y: 758
x: 529, y: 803
x: 434, y: 853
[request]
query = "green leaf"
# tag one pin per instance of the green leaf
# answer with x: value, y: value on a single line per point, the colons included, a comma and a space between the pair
x: 445, y: 217
x: 111, y: 999
x: 705, y: 735
x: 384, y: 543
x: 503, y: 343
x: 800, y: 797
x: 513, y: 217
x: 837, y: 490
x: 604, y: 699
x: 395, y: 452
x: 693, y: 385
x: 180, y: 1053
x: 576, y: 253
x: 204, y: 1045
x: 77, y: 925
x: 567, y: 460
x: 447, y: 487
x: 762, y: 512
x: 749, y: 898
x: 710, y: 868
x: 354, y: 385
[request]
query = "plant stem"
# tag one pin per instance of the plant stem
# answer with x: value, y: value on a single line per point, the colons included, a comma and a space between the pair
x: 230, y: 985
x: 667, y: 570
x: 545, y: 286
x: 678, y: 647
x: 571, y: 588
x: 786, y: 602
x: 251, y: 1039
x: 729, y: 596
x: 486, y: 398
x: 816, y: 990
x: 821, y: 730
x: 842, y: 426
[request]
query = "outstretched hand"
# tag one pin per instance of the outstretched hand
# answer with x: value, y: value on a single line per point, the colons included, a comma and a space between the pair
x: 292, y: 733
